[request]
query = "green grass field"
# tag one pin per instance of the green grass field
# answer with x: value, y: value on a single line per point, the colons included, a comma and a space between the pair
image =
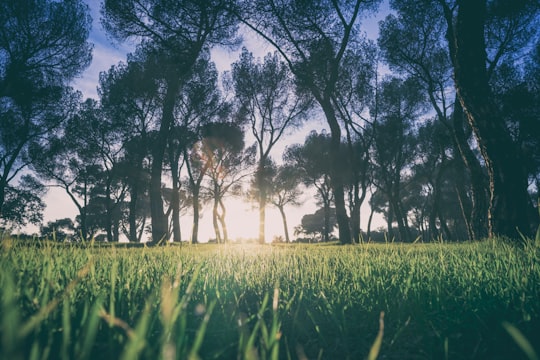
x: 456, y: 301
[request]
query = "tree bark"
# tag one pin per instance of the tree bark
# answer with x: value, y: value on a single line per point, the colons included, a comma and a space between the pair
x: 285, y: 226
x: 215, y: 218
x: 175, y: 203
x: 509, y: 201
x: 479, y: 182
x: 326, y: 235
x: 196, y: 217
x: 262, y: 217
x: 160, y: 227
x: 221, y: 218
x: 262, y: 198
x: 132, y: 217
x: 337, y: 175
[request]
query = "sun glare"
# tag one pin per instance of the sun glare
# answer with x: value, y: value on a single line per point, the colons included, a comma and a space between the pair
x: 243, y: 222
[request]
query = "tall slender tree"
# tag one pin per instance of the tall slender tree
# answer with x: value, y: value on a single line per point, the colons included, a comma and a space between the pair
x: 230, y: 163
x: 267, y: 99
x: 286, y: 191
x: 200, y: 103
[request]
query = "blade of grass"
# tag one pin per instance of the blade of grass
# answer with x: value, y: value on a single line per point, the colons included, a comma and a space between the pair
x: 376, y: 347
x: 199, y: 337
x: 520, y: 340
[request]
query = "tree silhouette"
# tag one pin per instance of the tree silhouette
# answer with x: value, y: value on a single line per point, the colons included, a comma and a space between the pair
x: 313, y: 162
x: 412, y: 43
x: 129, y: 97
x: 173, y: 37
x: 313, y: 40
x: 317, y: 223
x: 471, y: 40
x: 285, y: 191
x: 82, y: 160
x: 266, y: 99
x: 43, y: 45
x: 398, y: 106
x: 229, y: 165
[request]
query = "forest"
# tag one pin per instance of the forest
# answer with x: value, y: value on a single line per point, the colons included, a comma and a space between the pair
x: 435, y: 124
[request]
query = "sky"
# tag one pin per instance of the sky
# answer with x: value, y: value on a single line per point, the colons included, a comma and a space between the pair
x: 242, y: 218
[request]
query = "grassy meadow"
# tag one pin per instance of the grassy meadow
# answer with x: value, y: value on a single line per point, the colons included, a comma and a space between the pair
x: 425, y: 301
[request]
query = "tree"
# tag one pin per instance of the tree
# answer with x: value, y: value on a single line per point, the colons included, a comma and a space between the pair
x: 356, y: 84
x: 266, y: 98
x: 23, y: 204
x: 316, y: 223
x: 200, y: 103
x: 43, y: 45
x: 518, y: 101
x: 441, y: 200
x: 413, y: 45
x: 82, y: 159
x: 313, y: 40
x: 399, y: 103
x: 285, y: 191
x: 59, y: 230
x: 469, y: 41
x: 229, y: 165
x: 173, y: 34
x: 313, y: 162
x: 130, y: 98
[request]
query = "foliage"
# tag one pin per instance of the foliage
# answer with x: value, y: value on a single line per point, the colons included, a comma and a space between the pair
x: 268, y: 302
x: 59, y: 230
x: 23, y: 204
x: 271, y: 106
x: 322, y: 222
x: 42, y: 47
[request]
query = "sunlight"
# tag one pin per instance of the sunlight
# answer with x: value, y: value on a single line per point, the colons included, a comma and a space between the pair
x: 243, y: 222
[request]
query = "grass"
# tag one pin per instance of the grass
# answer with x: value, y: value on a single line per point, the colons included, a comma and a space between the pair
x: 423, y: 301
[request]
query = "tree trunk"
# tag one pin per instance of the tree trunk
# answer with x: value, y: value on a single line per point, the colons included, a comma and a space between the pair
x: 479, y: 187
x: 196, y: 216
x: 262, y: 218
x: 215, y: 217
x: 175, y: 203
x: 285, y: 226
x: 463, y: 206
x: 3, y: 185
x: 222, y: 221
x: 401, y: 218
x: 82, y: 211
x: 132, y: 216
x: 509, y: 201
x: 160, y: 227
x: 262, y: 199
x: 108, y: 214
x: 141, y: 230
x: 368, y: 231
x: 355, y: 216
x: 390, y: 221
x: 337, y: 175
